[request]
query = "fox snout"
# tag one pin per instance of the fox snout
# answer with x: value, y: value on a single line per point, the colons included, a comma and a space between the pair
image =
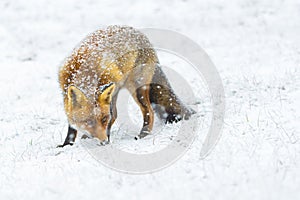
x: 99, y: 132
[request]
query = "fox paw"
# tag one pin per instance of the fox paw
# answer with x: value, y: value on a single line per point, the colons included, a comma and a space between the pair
x: 173, y: 118
x: 64, y: 144
x: 142, y: 135
x: 103, y: 143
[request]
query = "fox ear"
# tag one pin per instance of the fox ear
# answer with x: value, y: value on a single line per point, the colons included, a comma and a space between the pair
x: 76, y: 98
x: 106, y: 93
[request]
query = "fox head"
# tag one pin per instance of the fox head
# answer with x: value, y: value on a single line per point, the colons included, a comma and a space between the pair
x: 92, y: 115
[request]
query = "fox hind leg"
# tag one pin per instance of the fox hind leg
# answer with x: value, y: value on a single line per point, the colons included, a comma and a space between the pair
x: 166, y: 104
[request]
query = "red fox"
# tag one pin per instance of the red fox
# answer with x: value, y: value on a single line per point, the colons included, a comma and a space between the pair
x: 105, y: 62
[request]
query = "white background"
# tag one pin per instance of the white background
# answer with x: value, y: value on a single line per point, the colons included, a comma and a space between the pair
x: 255, y: 46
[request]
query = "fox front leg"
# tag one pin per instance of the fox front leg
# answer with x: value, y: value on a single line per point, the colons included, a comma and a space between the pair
x: 114, y: 114
x: 72, y: 133
x: 143, y: 100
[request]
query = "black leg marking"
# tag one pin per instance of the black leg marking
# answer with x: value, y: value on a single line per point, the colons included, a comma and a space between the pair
x: 72, y: 133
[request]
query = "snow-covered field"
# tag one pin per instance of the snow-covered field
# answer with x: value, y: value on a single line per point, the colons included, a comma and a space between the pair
x: 255, y: 46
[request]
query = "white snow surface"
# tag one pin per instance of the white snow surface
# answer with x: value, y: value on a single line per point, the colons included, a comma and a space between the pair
x: 255, y: 46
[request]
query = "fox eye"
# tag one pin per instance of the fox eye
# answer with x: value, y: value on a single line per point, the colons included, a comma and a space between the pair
x: 90, y: 123
x: 104, y: 119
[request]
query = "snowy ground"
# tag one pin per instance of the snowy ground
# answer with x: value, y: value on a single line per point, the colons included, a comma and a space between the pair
x: 255, y: 46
